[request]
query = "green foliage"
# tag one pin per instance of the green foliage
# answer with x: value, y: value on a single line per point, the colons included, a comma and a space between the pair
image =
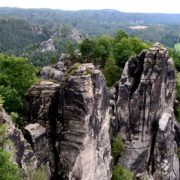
x: 1, y: 100
x: 104, y: 48
x: 111, y: 72
x: 120, y: 34
x: 16, y: 76
x: 70, y: 50
x: 3, y: 136
x: 121, y: 173
x: 8, y: 170
x: 40, y: 174
x: 177, y: 47
x: 117, y: 147
x: 74, y: 67
x: 127, y: 47
x: 53, y: 60
x: 176, y: 58
x: 17, y: 119
x: 13, y: 102
x: 88, y: 49
x: 17, y: 73
x: 176, y: 105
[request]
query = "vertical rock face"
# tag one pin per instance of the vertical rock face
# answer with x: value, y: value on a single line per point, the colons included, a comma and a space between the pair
x: 24, y: 155
x: 71, y: 122
x: 145, y: 114
x: 41, y: 115
x: 85, y: 145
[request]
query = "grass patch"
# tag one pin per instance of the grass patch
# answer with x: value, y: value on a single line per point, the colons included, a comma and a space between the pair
x: 74, y: 67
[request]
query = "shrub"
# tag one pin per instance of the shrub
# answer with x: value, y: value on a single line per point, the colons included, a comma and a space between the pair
x: 74, y: 67
x: 17, y: 119
x: 117, y: 147
x: 121, y: 173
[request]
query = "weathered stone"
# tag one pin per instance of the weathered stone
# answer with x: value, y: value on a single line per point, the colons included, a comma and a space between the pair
x: 85, y: 145
x: 47, y: 46
x: 145, y: 116
x: 41, y: 114
x: 76, y: 35
x: 73, y: 118
x: 24, y: 155
x: 51, y: 73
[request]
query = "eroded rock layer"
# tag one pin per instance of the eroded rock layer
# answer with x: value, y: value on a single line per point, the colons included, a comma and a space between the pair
x: 145, y: 114
x: 24, y: 155
x: 71, y: 122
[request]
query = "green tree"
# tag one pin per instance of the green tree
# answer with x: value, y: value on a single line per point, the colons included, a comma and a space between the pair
x: 127, y: 47
x: 111, y: 72
x: 17, y: 73
x: 120, y: 35
x: 13, y: 102
x: 70, y: 50
x: 88, y: 49
x: 104, y: 48
x: 53, y: 60
x: 16, y: 76
x: 123, y: 50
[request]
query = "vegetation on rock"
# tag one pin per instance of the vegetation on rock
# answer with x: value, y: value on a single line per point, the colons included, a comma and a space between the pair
x: 8, y: 170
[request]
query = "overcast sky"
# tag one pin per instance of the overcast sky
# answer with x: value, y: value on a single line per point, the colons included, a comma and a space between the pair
x: 164, y: 6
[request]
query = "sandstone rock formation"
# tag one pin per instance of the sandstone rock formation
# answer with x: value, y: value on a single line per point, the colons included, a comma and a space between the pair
x: 47, y: 46
x: 67, y: 123
x: 71, y: 122
x: 145, y: 117
x: 24, y: 155
x: 76, y: 35
x: 56, y: 71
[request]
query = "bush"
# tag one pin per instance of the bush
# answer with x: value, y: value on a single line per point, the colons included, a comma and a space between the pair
x: 117, y: 147
x: 17, y: 119
x: 121, y: 173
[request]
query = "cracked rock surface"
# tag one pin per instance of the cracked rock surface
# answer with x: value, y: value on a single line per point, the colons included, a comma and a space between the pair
x: 70, y: 121
x: 145, y: 115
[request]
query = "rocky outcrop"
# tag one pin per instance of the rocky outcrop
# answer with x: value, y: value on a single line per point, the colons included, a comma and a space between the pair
x: 41, y: 119
x: 85, y: 146
x: 47, y: 46
x: 145, y: 117
x: 24, y: 155
x: 70, y: 121
x: 76, y: 35
x: 56, y: 71
x: 67, y: 123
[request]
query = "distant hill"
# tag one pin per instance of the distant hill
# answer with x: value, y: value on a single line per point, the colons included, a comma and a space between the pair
x: 23, y: 38
x: 93, y: 22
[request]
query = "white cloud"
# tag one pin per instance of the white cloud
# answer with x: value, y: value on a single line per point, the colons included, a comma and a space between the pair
x: 122, y: 5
